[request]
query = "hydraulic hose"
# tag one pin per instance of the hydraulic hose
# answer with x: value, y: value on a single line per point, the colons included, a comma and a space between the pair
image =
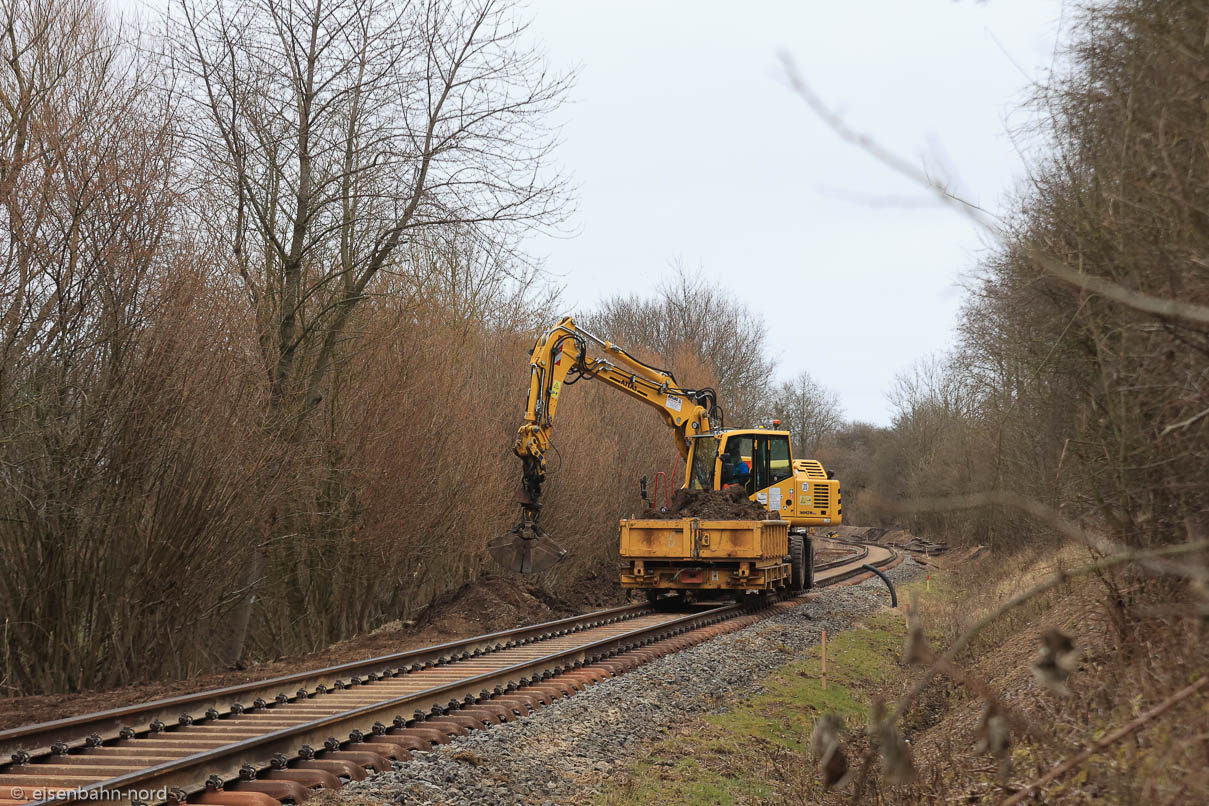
x: 889, y: 584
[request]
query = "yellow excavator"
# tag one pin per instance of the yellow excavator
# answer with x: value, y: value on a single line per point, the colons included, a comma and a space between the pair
x: 801, y: 492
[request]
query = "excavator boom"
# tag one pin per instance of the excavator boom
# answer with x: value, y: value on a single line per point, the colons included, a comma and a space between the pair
x: 563, y: 355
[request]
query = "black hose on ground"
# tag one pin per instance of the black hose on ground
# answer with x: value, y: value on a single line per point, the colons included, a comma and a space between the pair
x: 889, y: 584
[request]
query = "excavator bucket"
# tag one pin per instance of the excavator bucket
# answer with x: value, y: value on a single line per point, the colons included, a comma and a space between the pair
x: 526, y: 548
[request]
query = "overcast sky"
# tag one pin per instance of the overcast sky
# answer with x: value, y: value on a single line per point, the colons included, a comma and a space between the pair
x: 686, y: 143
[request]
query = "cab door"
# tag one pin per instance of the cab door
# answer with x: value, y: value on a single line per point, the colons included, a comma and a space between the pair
x: 773, y: 472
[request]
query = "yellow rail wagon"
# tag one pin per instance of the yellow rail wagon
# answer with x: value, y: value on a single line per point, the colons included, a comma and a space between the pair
x: 692, y: 554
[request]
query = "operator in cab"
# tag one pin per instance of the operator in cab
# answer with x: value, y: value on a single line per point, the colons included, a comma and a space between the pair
x: 736, y: 472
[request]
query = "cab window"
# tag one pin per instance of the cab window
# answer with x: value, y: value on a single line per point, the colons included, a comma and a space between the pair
x: 779, y: 466
x: 737, y: 464
x: 759, y: 460
x: 769, y: 460
x: 701, y: 471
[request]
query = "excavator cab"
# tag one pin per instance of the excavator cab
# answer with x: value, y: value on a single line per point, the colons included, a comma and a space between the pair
x: 756, y: 458
x: 761, y: 461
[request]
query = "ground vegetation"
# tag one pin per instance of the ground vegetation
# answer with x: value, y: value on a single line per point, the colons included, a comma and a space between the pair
x: 1070, y: 415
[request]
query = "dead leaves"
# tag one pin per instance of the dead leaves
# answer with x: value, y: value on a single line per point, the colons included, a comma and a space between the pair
x: 916, y: 649
x: 897, y: 763
x: 825, y: 745
x: 994, y: 737
x: 1057, y: 660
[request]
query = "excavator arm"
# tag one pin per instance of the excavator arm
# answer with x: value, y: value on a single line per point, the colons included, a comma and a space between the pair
x: 563, y: 355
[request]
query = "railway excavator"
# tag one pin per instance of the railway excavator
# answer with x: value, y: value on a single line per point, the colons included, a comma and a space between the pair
x: 664, y: 554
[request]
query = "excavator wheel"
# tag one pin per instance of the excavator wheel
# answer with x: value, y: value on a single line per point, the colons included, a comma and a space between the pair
x: 799, y: 559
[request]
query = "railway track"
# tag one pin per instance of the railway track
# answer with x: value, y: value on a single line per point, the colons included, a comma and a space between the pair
x: 264, y: 742
x: 862, y: 551
x: 851, y: 566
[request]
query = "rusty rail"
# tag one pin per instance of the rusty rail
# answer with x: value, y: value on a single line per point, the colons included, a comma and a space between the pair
x: 73, y: 732
x: 853, y: 567
x: 411, y: 713
x: 860, y: 555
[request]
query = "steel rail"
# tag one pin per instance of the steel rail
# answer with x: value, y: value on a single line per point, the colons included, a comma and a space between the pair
x: 225, y: 762
x: 855, y: 569
x: 37, y: 740
x: 860, y: 555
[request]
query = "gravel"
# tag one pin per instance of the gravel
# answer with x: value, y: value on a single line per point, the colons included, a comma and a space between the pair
x: 566, y: 750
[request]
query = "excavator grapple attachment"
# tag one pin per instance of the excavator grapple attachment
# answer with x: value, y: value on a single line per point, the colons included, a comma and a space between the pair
x: 526, y: 549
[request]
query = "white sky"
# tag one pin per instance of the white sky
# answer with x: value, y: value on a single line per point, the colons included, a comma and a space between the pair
x: 686, y: 143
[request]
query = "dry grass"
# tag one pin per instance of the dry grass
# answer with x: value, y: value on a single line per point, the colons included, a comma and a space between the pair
x: 1132, y: 655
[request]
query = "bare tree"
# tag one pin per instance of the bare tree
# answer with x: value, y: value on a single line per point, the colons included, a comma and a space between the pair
x: 1079, y: 380
x: 338, y: 141
x: 59, y: 68
x: 933, y: 383
x: 340, y: 132
x: 690, y: 312
x: 123, y: 463
x: 474, y: 282
x: 810, y: 411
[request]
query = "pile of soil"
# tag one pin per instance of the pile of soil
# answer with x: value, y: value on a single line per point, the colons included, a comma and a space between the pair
x: 731, y: 504
x: 490, y: 603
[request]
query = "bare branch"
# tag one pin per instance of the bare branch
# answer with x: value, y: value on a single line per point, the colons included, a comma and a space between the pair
x: 1107, y: 741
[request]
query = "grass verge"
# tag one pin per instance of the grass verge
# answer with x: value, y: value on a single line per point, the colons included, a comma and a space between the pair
x: 755, y: 752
